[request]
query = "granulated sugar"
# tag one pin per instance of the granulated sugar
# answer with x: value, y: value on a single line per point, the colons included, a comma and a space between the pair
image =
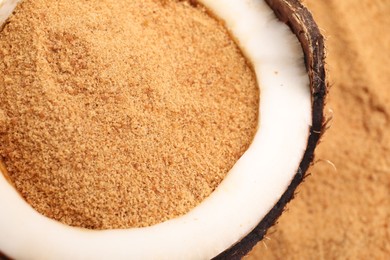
x: 118, y: 114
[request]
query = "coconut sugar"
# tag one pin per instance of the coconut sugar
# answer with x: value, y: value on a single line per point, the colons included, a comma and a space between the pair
x: 119, y: 114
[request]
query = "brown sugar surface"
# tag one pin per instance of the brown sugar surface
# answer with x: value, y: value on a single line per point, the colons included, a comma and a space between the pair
x: 118, y: 114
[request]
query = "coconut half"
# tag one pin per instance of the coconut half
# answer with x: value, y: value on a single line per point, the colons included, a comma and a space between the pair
x: 286, y: 49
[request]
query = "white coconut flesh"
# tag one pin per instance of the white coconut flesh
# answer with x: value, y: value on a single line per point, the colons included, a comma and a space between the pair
x: 246, y: 195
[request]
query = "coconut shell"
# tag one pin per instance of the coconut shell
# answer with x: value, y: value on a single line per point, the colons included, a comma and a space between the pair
x: 301, y: 22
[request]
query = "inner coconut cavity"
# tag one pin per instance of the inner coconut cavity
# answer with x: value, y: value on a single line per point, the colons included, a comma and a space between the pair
x: 251, y: 188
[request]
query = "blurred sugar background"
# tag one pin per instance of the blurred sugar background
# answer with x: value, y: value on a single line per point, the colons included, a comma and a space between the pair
x: 345, y: 213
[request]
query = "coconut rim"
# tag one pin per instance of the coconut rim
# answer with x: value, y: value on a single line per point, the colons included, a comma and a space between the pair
x: 303, y: 26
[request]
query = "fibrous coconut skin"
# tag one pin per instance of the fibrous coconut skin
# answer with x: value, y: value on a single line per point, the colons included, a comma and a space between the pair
x: 302, y: 24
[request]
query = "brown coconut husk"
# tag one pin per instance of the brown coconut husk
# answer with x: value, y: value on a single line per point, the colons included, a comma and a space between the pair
x: 301, y: 22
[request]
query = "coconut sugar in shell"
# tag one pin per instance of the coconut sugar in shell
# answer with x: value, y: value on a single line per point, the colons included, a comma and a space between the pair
x: 131, y: 129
